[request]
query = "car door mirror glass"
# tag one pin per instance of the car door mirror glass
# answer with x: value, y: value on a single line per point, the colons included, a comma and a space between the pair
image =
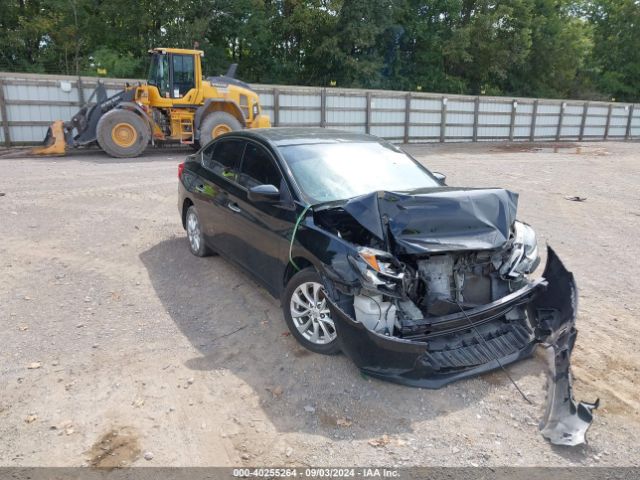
x: 264, y: 193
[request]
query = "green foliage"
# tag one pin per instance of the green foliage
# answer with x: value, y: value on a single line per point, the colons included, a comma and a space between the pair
x: 616, y: 37
x: 116, y: 64
x: 547, y: 48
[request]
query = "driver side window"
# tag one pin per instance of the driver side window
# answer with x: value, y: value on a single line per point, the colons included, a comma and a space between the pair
x: 258, y: 168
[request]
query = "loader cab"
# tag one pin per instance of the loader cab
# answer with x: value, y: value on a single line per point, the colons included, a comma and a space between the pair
x: 175, y: 72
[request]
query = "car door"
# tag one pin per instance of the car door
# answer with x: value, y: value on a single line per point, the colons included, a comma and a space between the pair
x: 216, y: 184
x: 261, y: 229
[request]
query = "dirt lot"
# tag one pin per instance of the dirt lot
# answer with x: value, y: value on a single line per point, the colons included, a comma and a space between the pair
x: 119, y: 347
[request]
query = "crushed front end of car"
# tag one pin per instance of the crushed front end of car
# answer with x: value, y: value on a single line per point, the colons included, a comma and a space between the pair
x: 442, y: 292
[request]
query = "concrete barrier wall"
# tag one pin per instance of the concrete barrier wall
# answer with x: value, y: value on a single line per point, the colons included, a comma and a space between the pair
x: 29, y: 103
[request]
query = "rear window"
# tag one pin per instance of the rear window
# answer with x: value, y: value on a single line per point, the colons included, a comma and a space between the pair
x: 223, y: 157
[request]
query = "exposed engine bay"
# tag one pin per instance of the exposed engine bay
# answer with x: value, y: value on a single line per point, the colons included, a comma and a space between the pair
x: 444, y: 293
x: 421, y: 289
x: 403, y: 295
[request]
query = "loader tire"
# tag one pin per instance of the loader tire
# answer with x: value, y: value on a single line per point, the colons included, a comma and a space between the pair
x: 217, y: 123
x: 123, y: 133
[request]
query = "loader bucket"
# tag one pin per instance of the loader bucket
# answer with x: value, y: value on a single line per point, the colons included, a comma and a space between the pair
x: 54, y: 142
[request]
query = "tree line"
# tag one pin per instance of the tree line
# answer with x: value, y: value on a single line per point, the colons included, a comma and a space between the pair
x: 588, y: 49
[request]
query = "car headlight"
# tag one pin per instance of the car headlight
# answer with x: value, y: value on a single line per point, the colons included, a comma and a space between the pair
x: 524, y: 257
x: 377, y: 268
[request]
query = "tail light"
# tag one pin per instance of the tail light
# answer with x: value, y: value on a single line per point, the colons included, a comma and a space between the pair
x: 180, y: 170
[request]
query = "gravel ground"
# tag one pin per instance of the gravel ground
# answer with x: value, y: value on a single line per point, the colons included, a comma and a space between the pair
x: 121, y: 348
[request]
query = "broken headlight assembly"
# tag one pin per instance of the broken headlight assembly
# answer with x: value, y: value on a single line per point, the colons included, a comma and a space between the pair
x: 379, y: 269
x: 524, y: 257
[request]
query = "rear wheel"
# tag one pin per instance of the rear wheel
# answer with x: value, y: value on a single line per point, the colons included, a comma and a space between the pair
x: 217, y: 123
x: 123, y: 133
x: 307, y: 313
x: 194, y: 233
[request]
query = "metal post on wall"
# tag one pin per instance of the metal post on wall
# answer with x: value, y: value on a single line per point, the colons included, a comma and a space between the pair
x: 80, y: 88
x: 443, y: 118
x: 608, y: 124
x: 534, y: 115
x: 512, y: 122
x: 585, y: 109
x: 627, y: 133
x: 367, y: 120
x: 276, y: 107
x: 476, y: 114
x: 407, y: 116
x: 5, y: 116
x: 563, y: 105
x: 323, y: 107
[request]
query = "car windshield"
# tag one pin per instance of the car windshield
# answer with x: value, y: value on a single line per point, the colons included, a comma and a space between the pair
x: 328, y: 172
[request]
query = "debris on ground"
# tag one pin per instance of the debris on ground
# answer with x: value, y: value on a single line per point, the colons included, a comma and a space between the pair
x: 31, y: 418
x: 117, y: 448
x: 34, y: 365
x: 382, y: 441
x: 275, y: 391
x: 344, y: 422
x: 575, y: 198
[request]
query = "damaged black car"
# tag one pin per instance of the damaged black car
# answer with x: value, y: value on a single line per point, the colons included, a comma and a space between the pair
x: 373, y: 255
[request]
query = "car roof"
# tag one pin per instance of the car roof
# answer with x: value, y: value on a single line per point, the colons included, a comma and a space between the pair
x: 283, y: 136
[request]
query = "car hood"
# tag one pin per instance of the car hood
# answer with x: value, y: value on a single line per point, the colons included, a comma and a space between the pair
x: 436, y: 220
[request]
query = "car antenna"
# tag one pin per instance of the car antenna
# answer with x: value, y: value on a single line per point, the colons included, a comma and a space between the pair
x: 475, y: 330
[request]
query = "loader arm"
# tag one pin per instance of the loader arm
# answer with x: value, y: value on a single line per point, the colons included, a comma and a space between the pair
x: 82, y: 128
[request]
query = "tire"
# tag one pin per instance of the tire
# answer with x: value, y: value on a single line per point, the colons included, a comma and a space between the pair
x: 123, y: 133
x: 195, y: 238
x: 216, y: 123
x: 317, y: 322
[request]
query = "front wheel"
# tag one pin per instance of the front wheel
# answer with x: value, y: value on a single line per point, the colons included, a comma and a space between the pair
x: 123, y: 133
x: 307, y: 313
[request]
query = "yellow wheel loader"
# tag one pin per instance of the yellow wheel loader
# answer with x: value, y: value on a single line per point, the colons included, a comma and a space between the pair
x: 175, y: 105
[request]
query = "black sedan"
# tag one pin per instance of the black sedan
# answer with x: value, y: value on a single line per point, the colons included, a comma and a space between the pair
x: 373, y: 255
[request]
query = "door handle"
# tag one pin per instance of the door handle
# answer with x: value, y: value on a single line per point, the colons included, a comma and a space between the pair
x: 234, y: 207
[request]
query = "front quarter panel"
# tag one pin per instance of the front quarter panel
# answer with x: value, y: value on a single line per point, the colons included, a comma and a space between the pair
x: 328, y: 253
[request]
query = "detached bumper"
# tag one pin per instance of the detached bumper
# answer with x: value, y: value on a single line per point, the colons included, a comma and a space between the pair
x: 453, y: 349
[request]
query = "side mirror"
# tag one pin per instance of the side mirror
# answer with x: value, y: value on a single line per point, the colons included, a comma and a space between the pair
x: 441, y: 177
x: 264, y: 193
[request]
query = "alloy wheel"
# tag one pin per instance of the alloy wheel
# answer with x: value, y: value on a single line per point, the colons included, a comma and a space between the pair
x: 311, y: 315
x: 193, y: 231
